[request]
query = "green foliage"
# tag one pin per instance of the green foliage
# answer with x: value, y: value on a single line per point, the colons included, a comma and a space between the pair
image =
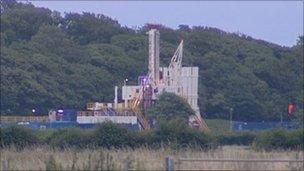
x: 18, y: 137
x: 218, y: 126
x: 48, y: 61
x: 177, y: 133
x: 70, y: 137
x: 22, y: 21
x: 112, y: 135
x: 174, y: 134
x: 279, y: 139
x: 89, y: 27
x: 245, y: 138
x: 170, y: 106
x: 300, y: 41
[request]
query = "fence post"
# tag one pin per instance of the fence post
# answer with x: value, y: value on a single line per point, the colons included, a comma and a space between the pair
x: 4, y: 165
x: 169, y: 164
x: 178, y: 164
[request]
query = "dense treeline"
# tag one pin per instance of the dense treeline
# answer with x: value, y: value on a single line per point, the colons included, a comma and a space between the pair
x: 173, y: 135
x: 52, y: 61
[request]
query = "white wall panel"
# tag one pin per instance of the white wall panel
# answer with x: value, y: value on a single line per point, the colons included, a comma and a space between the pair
x: 128, y: 92
x: 114, y: 119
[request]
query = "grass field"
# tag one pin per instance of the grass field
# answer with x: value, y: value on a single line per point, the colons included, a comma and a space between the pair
x: 41, y: 158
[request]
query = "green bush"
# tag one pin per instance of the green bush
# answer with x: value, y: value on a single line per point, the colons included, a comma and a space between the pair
x: 177, y: 132
x: 110, y: 135
x: 70, y: 137
x: 170, y: 106
x: 144, y: 138
x: 18, y: 137
x: 279, y: 139
x: 243, y: 138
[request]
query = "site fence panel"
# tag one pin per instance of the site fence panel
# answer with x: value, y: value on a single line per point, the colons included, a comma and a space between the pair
x: 176, y: 165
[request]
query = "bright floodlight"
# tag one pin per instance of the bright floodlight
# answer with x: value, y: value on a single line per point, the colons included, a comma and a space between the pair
x: 60, y: 110
x: 126, y: 79
x: 33, y: 110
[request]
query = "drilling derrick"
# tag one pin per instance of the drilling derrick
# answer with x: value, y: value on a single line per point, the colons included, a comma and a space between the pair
x: 153, y: 57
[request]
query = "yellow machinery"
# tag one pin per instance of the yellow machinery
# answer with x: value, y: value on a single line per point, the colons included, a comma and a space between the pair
x: 202, y: 124
x: 135, y: 102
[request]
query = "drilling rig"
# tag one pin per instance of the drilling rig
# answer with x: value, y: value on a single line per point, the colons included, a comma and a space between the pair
x: 182, y: 81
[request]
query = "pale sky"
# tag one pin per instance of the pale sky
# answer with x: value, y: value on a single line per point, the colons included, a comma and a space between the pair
x: 279, y: 22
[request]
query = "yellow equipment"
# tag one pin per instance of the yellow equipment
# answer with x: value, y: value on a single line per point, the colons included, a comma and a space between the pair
x: 134, y: 105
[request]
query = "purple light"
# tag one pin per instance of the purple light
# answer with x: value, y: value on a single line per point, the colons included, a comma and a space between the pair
x: 144, y: 80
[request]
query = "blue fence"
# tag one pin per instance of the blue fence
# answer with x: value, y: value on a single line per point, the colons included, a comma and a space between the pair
x: 63, y: 124
x: 256, y: 126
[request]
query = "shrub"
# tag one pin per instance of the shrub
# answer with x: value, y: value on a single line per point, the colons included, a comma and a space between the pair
x: 18, y: 137
x: 112, y: 135
x: 177, y: 132
x: 244, y: 138
x: 279, y: 139
x: 170, y: 106
x: 144, y: 138
x: 70, y: 137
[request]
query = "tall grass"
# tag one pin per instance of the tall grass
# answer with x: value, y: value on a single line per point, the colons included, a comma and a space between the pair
x: 45, y: 158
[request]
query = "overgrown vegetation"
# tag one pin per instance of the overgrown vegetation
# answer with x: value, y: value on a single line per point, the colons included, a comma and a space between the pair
x: 50, y: 61
x: 175, y: 134
x: 280, y: 139
x: 19, y: 137
x: 242, y: 138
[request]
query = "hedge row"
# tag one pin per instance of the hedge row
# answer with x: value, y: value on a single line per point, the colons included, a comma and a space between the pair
x: 109, y: 135
x: 242, y: 138
x: 280, y: 139
x: 20, y: 137
x: 105, y: 135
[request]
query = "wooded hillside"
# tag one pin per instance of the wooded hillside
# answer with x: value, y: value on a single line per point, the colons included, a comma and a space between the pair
x: 50, y: 61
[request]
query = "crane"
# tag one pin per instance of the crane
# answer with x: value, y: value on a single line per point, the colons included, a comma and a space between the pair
x: 175, y: 68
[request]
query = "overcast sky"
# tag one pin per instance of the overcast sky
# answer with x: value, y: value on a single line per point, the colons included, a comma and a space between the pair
x: 279, y: 22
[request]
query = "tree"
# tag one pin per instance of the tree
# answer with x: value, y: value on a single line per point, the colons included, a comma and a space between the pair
x: 22, y: 21
x: 169, y: 106
x: 183, y: 27
x: 300, y: 40
x: 91, y: 28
